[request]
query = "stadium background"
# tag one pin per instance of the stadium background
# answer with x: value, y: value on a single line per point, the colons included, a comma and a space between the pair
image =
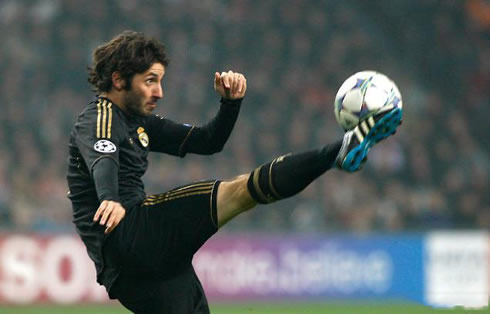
x: 432, y: 176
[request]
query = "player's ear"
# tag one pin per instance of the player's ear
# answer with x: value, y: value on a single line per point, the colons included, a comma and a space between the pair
x: 118, y: 82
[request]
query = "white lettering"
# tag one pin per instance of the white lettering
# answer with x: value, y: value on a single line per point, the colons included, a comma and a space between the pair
x: 70, y: 251
x: 247, y: 271
x: 19, y: 256
x: 54, y: 269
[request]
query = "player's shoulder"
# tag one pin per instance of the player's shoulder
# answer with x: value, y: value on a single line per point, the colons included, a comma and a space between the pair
x: 99, y: 109
x: 154, y: 116
x: 154, y: 119
x: 101, y: 118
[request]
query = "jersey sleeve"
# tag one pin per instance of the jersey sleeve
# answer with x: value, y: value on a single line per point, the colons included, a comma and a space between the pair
x: 167, y: 136
x: 98, y: 134
x: 179, y: 139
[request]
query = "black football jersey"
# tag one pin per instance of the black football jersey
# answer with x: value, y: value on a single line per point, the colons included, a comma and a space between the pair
x: 103, y: 130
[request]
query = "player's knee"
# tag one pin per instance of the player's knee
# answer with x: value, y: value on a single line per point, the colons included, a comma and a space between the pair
x: 233, y: 198
x: 238, y: 193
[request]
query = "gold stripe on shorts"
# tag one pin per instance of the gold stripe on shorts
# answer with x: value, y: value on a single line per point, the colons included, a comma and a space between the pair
x: 181, y: 189
x: 195, y: 189
x: 172, y: 197
x: 169, y: 194
x: 192, y: 186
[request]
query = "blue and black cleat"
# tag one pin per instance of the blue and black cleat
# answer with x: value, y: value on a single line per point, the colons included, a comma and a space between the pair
x: 358, y: 141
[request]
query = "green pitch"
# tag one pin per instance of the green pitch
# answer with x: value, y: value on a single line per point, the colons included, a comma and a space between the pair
x: 252, y: 308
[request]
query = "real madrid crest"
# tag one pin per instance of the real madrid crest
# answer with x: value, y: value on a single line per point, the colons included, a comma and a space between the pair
x: 143, y: 137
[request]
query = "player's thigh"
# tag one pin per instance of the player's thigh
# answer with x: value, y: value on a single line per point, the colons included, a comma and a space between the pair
x: 168, y: 228
x: 233, y: 198
x: 182, y: 293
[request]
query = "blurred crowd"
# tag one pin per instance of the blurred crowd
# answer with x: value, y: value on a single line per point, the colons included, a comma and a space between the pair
x: 295, y: 54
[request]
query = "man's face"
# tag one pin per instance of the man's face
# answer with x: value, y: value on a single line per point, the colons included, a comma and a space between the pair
x: 146, y: 89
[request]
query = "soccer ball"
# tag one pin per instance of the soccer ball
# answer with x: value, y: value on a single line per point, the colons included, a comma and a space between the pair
x: 363, y: 95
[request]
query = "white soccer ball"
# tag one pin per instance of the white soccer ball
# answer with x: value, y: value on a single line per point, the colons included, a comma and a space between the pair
x: 363, y: 95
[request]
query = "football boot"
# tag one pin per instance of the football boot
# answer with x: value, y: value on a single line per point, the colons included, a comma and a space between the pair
x: 358, y: 141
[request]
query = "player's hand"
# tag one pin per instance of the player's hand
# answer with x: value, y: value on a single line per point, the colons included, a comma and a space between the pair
x: 110, y: 214
x: 230, y: 85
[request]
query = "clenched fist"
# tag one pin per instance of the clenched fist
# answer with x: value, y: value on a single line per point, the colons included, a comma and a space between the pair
x: 230, y: 85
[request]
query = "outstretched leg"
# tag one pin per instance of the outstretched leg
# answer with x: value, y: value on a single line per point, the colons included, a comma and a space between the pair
x: 281, y: 178
x: 290, y: 174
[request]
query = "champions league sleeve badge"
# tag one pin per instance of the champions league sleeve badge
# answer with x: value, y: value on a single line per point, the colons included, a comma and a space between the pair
x: 105, y: 146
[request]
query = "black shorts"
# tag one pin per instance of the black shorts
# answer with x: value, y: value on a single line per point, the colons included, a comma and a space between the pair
x: 153, y: 247
x: 179, y: 294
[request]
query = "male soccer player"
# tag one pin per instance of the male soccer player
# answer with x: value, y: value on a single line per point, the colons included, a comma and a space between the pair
x: 142, y: 246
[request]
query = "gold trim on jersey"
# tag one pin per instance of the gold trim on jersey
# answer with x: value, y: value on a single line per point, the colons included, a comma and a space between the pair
x: 104, y: 119
x: 185, y: 140
x: 98, y: 118
x: 109, y: 125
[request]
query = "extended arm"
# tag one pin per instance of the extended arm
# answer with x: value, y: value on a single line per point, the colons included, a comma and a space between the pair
x: 178, y: 139
x: 211, y: 138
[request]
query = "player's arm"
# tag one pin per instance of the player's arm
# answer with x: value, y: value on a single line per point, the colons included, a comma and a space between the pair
x: 98, y: 142
x: 110, y: 211
x: 178, y: 139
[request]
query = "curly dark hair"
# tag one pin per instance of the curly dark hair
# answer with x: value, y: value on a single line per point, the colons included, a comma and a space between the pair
x: 128, y: 53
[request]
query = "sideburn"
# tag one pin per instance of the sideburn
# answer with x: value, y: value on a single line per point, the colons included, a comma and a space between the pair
x: 128, y: 83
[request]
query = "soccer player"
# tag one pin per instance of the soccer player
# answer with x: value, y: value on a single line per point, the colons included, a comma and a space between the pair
x: 143, y: 246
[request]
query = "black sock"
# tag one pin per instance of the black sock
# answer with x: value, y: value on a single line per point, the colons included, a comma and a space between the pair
x: 290, y: 174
